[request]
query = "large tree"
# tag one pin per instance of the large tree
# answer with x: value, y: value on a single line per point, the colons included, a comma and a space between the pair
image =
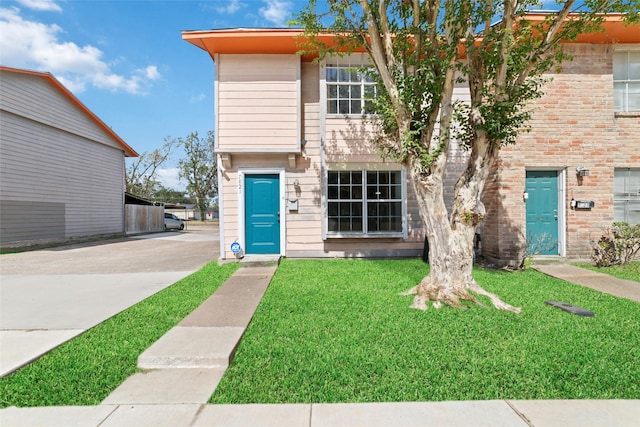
x: 199, y: 168
x: 420, y: 49
x: 141, y: 176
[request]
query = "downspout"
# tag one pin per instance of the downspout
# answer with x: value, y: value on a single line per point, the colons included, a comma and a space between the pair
x: 323, y: 148
x: 124, y: 189
x: 216, y: 60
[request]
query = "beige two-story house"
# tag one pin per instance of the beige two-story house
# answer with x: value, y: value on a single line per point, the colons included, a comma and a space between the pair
x: 299, y: 178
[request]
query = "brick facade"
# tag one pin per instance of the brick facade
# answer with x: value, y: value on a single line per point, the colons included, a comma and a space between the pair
x: 574, y: 124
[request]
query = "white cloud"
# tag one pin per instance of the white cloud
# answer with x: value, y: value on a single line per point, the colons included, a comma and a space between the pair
x: 276, y: 11
x: 35, y: 45
x: 152, y: 73
x: 232, y: 7
x: 198, y: 98
x: 43, y: 5
x: 170, y: 178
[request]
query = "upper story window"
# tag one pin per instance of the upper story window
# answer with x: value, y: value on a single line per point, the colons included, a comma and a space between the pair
x: 626, y: 195
x: 349, y: 90
x: 365, y: 203
x: 626, y: 80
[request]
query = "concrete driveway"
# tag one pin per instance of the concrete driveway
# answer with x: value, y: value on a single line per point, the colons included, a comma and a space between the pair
x: 51, y: 295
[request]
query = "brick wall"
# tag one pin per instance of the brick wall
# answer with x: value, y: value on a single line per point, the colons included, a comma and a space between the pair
x: 573, y: 125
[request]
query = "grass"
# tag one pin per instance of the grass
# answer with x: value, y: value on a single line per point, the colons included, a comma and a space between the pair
x: 85, y: 370
x: 630, y: 271
x: 337, y: 331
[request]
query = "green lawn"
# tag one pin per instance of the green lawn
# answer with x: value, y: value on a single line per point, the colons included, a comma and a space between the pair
x: 88, y: 368
x: 630, y: 271
x: 337, y: 331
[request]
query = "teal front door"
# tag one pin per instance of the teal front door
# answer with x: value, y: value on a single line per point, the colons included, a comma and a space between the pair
x: 542, y: 212
x: 262, y: 213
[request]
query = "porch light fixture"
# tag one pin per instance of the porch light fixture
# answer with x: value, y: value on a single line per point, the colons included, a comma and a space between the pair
x: 582, y: 171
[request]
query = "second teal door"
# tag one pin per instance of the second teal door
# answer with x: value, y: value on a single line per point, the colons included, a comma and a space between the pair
x: 542, y: 211
x: 262, y: 213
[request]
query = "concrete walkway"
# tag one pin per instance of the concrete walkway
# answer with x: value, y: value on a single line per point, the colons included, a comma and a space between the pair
x: 508, y: 413
x: 184, y: 367
x: 594, y: 280
x: 49, y: 296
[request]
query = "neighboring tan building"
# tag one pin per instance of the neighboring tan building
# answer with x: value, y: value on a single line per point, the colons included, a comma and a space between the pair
x: 297, y: 177
x: 61, y: 168
x: 584, y: 146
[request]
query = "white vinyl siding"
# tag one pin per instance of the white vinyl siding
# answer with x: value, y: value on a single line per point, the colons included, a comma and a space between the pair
x: 258, y: 103
x: 626, y: 80
x: 56, y: 181
x: 33, y: 98
x: 626, y: 196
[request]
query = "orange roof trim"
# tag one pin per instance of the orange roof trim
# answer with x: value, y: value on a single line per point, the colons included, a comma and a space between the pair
x: 283, y: 41
x: 250, y: 41
x: 128, y: 151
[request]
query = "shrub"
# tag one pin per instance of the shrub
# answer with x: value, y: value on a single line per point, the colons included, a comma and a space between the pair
x: 618, y: 245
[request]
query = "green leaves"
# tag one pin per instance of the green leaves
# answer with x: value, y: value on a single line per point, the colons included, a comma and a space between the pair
x: 505, y: 57
x: 199, y: 168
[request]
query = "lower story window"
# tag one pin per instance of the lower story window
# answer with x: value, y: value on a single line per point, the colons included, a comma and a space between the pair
x: 365, y: 203
x: 626, y: 195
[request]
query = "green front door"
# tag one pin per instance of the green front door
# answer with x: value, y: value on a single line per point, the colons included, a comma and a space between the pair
x: 542, y: 212
x: 262, y: 213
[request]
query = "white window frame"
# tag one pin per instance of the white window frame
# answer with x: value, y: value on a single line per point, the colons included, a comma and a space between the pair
x: 627, y: 195
x: 365, y: 234
x: 351, y: 63
x: 624, y: 108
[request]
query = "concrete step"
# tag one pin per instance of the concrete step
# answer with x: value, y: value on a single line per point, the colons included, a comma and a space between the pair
x: 192, y: 347
x: 260, y: 260
x: 167, y: 386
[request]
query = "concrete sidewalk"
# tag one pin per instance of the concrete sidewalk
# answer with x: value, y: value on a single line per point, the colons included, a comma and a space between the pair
x: 524, y: 413
x: 49, y: 296
x: 184, y: 367
x: 594, y: 280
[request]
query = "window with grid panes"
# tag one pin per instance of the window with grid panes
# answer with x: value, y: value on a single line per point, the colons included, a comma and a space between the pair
x: 626, y: 80
x: 364, y: 203
x: 349, y: 90
x: 626, y: 195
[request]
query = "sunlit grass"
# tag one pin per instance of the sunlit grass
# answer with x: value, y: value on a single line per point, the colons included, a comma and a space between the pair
x: 337, y: 331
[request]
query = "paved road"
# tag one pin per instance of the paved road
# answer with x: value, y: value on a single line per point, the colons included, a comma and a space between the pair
x: 51, y: 295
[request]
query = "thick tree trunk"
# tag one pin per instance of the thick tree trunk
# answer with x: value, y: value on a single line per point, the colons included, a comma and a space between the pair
x: 450, y: 280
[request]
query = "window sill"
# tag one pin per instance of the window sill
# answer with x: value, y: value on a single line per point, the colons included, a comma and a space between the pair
x: 350, y: 116
x: 399, y: 235
x: 625, y: 114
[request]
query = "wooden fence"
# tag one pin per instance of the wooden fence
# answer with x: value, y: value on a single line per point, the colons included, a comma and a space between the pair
x: 143, y: 218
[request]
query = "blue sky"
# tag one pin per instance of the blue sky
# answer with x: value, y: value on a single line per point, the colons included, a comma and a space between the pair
x: 126, y: 60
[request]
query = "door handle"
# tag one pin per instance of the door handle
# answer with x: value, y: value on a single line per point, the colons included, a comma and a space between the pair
x: 555, y: 214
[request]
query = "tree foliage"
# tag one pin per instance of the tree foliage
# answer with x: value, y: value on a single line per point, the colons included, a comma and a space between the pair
x: 421, y: 50
x: 169, y: 195
x: 199, y: 169
x: 141, y: 177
